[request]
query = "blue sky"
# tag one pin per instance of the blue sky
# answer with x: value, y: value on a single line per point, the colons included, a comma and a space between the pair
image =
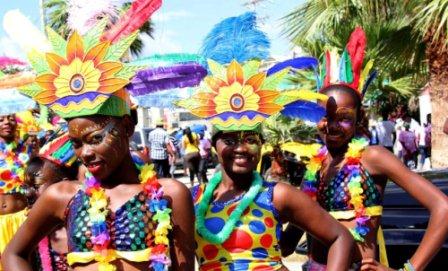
x: 180, y: 25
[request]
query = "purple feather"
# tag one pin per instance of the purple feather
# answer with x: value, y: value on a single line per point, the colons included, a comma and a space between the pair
x: 296, y: 63
x: 162, y: 78
x: 304, y: 110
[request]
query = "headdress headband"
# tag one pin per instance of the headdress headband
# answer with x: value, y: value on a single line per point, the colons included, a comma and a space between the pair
x: 237, y: 97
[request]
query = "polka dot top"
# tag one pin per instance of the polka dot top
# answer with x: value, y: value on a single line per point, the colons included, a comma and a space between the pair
x: 253, y: 244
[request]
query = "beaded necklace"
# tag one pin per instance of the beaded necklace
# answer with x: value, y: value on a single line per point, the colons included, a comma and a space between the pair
x: 225, y: 232
x: 98, y: 212
x: 13, y: 159
x: 352, y: 171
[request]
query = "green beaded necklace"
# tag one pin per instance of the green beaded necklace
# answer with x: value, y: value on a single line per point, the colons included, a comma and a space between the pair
x: 225, y: 232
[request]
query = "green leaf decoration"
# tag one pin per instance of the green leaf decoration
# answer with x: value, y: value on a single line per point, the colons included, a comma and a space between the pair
x: 38, y: 61
x: 58, y: 43
x: 117, y: 50
x: 30, y: 90
x: 2, y: 74
x: 251, y: 68
x: 217, y: 69
x: 272, y: 81
x: 92, y: 37
x: 128, y: 71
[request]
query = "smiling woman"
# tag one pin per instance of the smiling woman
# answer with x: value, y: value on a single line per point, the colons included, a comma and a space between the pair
x: 121, y: 217
x: 239, y: 215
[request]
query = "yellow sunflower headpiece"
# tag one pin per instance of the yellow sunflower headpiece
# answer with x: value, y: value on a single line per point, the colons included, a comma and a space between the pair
x: 83, y: 75
x: 236, y: 98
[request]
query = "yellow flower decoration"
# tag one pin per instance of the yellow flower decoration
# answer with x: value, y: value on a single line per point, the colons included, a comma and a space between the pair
x: 237, y: 97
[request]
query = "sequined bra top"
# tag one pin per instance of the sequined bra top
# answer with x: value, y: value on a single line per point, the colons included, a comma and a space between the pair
x: 128, y: 226
x: 335, y: 197
x: 252, y: 245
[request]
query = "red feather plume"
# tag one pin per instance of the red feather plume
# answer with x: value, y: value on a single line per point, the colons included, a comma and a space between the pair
x: 355, y: 47
x: 327, y: 79
x: 139, y: 12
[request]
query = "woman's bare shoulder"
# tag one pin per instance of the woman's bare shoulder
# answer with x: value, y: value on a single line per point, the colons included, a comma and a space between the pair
x: 173, y: 188
x: 58, y: 195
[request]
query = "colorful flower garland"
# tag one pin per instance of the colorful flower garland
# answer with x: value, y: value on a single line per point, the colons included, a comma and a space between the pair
x: 44, y: 254
x: 13, y: 159
x: 201, y: 211
x: 98, y: 212
x: 352, y: 171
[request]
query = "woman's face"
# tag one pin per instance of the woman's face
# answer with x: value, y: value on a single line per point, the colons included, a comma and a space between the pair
x: 8, y: 127
x: 339, y: 125
x: 99, y: 142
x: 239, y: 152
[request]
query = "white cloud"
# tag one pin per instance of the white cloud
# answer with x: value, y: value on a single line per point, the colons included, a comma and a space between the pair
x: 10, y: 48
x: 162, y: 43
x: 170, y: 15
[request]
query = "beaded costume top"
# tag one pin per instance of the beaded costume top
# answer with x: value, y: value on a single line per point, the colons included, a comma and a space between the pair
x: 13, y: 159
x: 254, y: 242
x: 130, y: 227
x: 335, y: 195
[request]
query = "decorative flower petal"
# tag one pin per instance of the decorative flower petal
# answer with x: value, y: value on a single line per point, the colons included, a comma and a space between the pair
x: 256, y: 81
x: 235, y: 73
x: 97, y: 53
x: 75, y: 47
x: 110, y: 85
x: 55, y: 62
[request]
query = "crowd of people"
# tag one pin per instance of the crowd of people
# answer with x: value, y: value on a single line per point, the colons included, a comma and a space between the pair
x: 87, y: 200
x: 405, y: 137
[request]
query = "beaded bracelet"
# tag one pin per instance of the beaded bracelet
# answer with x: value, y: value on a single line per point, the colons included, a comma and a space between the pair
x: 407, y: 267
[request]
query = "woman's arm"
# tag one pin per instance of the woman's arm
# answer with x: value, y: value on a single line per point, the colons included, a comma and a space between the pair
x: 379, y: 161
x: 297, y: 208
x: 46, y: 214
x: 183, y: 243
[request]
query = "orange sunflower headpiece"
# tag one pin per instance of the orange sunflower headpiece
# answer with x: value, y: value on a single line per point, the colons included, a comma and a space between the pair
x: 83, y: 75
x: 236, y: 98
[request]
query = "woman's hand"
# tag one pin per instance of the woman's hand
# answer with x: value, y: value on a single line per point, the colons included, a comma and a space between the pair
x: 372, y: 264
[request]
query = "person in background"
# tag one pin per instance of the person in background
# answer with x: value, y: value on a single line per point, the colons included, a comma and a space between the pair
x: 408, y: 140
x: 190, y: 145
x: 33, y: 178
x: 386, y: 133
x: 204, y: 150
x: 172, y: 156
x: 374, y: 135
x: 158, y: 148
x: 424, y: 142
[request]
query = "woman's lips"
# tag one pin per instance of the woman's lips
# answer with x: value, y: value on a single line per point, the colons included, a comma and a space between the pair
x: 94, y: 167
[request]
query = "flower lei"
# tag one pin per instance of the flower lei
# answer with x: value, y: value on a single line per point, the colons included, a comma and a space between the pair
x: 225, y: 232
x: 44, y: 253
x: 352, y: 171
x: 13, y: 158
x: 98, y: 212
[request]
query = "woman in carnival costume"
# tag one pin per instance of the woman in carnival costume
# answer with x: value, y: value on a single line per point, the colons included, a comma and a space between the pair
x: 59, y: 163
x: 120, y: 217
x: 239, y: 216
x: 14, y: 155
x: 348, y: 177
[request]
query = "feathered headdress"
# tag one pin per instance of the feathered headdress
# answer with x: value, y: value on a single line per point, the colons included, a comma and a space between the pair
x: 236, y: 98
x: 347, y: 69
x: 84, y: 75
x: 59, y: 151
x: 236, y: 38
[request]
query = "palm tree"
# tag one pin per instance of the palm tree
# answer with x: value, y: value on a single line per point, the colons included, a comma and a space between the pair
x: 56, y: 15
x: 431, y: 23
x: 403, y: 38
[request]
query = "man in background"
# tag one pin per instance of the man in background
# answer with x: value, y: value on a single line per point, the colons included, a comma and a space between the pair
x: 158, y: 140
x: 386, y: 132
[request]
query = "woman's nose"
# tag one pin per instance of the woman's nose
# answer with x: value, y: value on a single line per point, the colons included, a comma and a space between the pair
x: 87, y: 153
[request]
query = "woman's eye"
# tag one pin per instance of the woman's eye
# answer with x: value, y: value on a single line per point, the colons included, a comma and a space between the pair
x: 251, y: 140
x: 229, y: 141
x: 96, y: 139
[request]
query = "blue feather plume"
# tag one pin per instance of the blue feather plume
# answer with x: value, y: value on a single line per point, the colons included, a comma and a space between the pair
x: 369, y: 81
x: 236, y: 38
x: 295, y: 63
x: 304, y: 110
